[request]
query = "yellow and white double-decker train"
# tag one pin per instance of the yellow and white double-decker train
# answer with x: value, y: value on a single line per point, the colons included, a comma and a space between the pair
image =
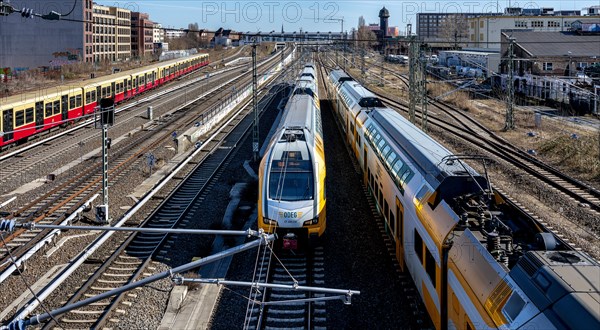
x: 478, y: 261
x: 292, y: 172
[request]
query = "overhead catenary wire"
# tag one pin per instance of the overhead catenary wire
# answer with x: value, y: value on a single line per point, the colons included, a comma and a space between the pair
x: 22, y: 277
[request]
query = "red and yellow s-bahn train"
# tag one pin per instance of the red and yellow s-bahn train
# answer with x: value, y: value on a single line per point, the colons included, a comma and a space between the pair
x: 24, y: 115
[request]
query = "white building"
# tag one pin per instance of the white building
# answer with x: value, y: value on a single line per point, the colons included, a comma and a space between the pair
x: 173, y: 33
x: 485, y: 31
x: 158, y: 34
x: 486, y: 63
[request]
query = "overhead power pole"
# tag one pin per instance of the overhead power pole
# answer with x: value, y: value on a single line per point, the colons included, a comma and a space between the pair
x: 255, y: 131
x: 381, y: 80
x: 423, y: 91
x: 337, y: 55
x: 413, y: 83
x: 362, y: 65
x: 510, y: 100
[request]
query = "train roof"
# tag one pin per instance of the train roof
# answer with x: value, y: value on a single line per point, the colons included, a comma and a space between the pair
x: 53, y: 91
x: 427, y: 154
x: 356, y: 90
x: 138, y: 70
x: 298, y: 113
x: 339, y: 76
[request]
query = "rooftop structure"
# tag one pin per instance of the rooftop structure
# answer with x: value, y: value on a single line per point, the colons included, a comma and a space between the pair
x: 552, y: 53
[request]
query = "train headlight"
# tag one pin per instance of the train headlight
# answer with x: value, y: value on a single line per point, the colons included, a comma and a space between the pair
x: 268, y: 221
x: 311, y: 222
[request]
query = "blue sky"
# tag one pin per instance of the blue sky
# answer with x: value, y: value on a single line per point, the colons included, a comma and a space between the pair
x: 313, y: 15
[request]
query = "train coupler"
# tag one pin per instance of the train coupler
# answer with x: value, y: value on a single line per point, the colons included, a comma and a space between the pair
x: 290, y: 241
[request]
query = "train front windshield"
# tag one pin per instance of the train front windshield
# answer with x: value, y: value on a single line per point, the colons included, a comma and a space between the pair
x: 291, y: 180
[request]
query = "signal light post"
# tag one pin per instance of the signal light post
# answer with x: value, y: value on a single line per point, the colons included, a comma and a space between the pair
x: 106, y: 119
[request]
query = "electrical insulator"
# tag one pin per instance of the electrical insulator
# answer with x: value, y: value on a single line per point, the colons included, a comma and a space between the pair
x: 27, y: 12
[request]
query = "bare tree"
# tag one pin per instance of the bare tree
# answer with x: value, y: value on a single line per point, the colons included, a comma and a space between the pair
x: 193, y: 35
x: 366, y: 38
x: 455, y: 30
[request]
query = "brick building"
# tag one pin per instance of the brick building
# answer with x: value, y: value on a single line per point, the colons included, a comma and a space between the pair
x: 142, y: 35
x: 34, y: 42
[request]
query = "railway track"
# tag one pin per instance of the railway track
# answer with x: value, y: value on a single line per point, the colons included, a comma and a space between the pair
x: 132, y: 260
x: 421, y: 318
x: 54, y: 206
x: 476, y: 133
x: 32, y: 162
x: 275, y: 308
x: 579, y: 191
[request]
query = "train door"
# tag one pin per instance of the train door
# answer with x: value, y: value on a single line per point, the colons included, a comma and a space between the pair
x: 98, y: 95
x: 125, y: 88
x: 113, y: 90
x: 8, y: 124
x: 365, y: 165
x: 64, y: 104
x: 39, y: 115
x: 400, y: 233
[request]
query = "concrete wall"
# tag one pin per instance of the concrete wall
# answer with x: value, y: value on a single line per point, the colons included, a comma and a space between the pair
x: 31, y: 42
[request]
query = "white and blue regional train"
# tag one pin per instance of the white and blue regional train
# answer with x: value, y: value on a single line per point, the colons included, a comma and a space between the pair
x: 477, y: 261
x: 292, y: 172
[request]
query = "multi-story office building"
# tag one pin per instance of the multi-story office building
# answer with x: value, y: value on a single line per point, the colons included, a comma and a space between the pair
x: 433, y: 27
x: 485, y: 31
x: 171, y: 33
x: 111, y: 33
x: 158, y: 34
x: 142, y: 30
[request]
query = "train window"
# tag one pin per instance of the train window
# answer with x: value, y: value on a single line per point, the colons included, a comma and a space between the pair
x: 29, y: 115
x: 513, y: 306
x: 430, y: 267
x: 418, y: 245
x: 369, y: 131
x: 56, y: 107
x: 385, y: 151
x: 78, y: 101
x: 88, y: 97
x: 71, y: 102
x: 19, y: 118
x: 294, y: 186
x: 397, y: 166
x: 49, y: 109
x: 406, y: 177
x: 93, y: 96
x: 380, y: 144
x: 390, y: 159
